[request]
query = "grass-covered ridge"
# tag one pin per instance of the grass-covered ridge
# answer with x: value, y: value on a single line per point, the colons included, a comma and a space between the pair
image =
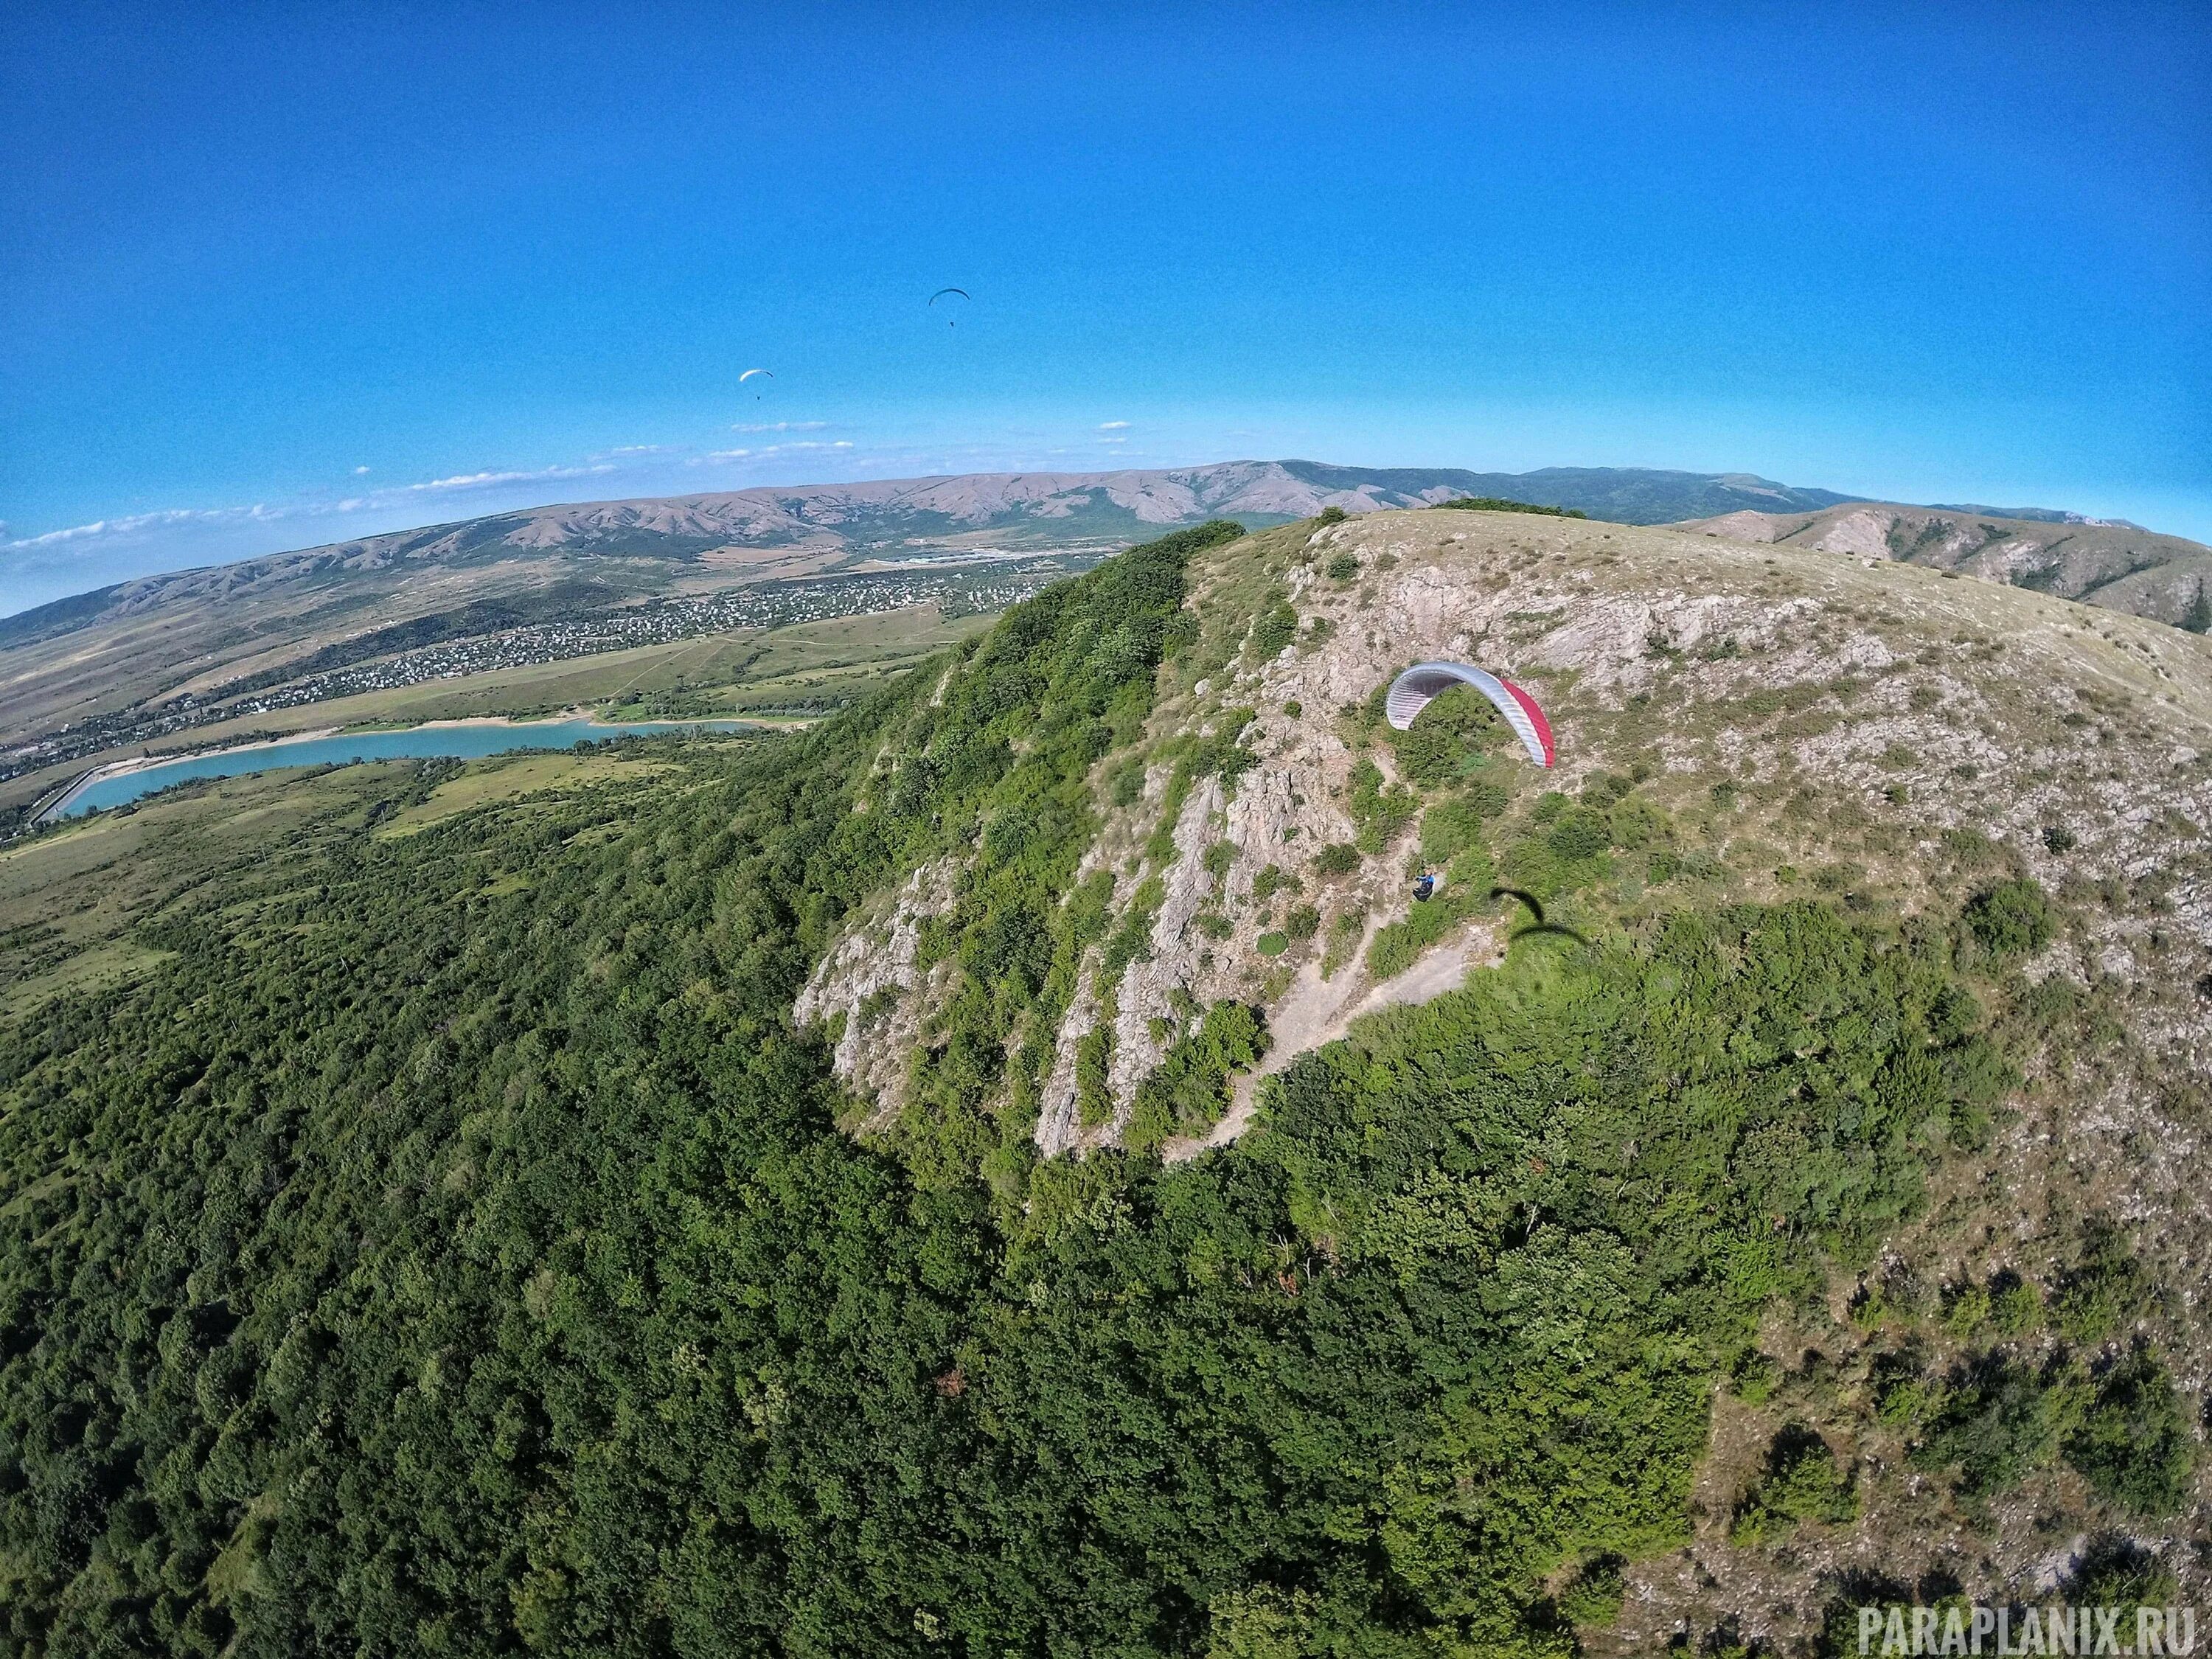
x: 449, y: 1246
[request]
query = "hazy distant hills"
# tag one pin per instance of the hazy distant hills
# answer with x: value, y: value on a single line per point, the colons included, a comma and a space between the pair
x: 648, y: 545
x: 2108, y: 562
x: 139, y: 660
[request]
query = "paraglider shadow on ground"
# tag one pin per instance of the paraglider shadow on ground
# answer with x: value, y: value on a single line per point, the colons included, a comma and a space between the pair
x: 1539, y: 926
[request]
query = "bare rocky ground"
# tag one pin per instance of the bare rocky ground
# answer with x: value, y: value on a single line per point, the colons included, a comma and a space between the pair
x: 1841, y: 723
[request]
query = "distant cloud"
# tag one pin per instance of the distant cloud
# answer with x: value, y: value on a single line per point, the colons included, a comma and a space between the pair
x: 487, y: 480
x: 765, y: 451
x: 135, y: 524
x: 359, y: 471
x: 1112, y: 426
x: 637, y: 449
x: 779, y: 426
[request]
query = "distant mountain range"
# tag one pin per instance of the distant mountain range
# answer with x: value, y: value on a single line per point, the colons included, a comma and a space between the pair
x: 168, y: 648
x: 721, y: 537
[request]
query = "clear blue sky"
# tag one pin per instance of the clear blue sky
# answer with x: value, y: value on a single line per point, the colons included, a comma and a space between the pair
x: 277, y: 276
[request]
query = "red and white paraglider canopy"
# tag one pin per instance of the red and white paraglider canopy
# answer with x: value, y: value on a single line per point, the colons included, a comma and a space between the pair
x: 1424, y: 682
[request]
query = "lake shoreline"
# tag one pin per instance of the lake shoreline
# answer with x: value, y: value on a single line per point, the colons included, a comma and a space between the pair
x: 576, y: 718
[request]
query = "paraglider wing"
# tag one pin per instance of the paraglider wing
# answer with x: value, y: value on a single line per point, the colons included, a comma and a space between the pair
x: 750, y: 372
x: 942, y: 292
x: 1422, y: 683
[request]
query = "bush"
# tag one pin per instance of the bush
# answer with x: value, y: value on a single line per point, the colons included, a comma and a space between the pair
x: 1447, y: 739
x: 1278, y: 626
x: 1803, y: 1482
x: 1380, y: 810
x: 1303, y: 923
x: 2134, y: 1446
x: 1499, y: 504
x: 1274, y: 945
x: 1338, y: 857
x: 1996, y: 1421
x: 1593, y: 1596
x: 1343, y: 568
x: 1579, y: 834
x: 1449, y: 829
x: 1187, y: 1094
x: 2011, y: 919
x: 2106, y: 1290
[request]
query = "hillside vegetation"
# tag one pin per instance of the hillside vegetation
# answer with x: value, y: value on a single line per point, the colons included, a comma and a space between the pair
x: 713, y: 1200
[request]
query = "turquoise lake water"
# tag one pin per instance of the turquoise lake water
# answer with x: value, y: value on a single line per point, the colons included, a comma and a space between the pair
x: 461, y: 742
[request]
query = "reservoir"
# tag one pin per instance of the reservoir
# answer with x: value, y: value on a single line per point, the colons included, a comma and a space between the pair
x: 463, y: 740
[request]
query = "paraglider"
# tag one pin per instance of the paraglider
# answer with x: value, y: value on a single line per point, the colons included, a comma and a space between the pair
x: 748, y: 375
x: 963, y: 292
x: 1421, y: 684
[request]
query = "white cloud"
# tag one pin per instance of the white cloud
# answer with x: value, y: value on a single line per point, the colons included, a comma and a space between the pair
x: 1111, y: 426
x: 133, y: 524
x: 779, y: 426
x: 486, y: 480
x: 359, y: 471
x: 637, y: 449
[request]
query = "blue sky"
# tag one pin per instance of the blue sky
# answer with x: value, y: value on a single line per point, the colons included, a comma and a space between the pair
x: 277, y: 276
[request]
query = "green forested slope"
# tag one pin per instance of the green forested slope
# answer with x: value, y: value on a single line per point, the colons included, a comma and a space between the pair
x: 450, y: 1247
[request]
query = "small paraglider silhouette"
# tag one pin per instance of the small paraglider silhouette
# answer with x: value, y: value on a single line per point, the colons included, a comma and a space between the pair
x: 949, y: 322
x: 748, y: 375
x: 1536, y: 909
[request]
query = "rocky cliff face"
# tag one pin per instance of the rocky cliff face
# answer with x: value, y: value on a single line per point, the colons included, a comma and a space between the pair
x: 2121, y: 567
x: 1803, y: 716
x: 1844, y: 709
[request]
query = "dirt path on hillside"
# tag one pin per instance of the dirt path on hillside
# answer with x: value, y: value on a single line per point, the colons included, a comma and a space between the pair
x: 1317, y: 1011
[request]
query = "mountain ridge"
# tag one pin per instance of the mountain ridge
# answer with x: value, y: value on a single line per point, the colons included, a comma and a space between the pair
x: 2106, y: 562
x: 1109, y: 504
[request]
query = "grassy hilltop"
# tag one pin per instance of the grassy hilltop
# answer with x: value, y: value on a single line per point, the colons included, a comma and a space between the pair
x: 1011, y: 1169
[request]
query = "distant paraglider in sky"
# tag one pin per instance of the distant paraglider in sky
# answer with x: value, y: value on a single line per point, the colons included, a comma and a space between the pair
x: 957, y: 293
x: 748, y: 375
x: 1421, y: 684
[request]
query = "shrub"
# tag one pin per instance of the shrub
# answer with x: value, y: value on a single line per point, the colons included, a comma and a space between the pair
x: 1380, y: 810
x: 2133, y: 1445
x: 1338, y: 857
x: 1803, y: 1482
x: 1499, y: 504
x: 1995, y: 1420
x: 1331, y: 516
x: 1753, y: 1376
x: 2106, y: 1290
x: 1185, y: 1095
x: 1343, y: 568
x: 1270, y: 881
x: 1277, y: 627
x: 1274, y: 945
x: 1447, y: 739
x: 1447, y: 829
x: 2058, y: 838
x: 1579, y: 834
x: 1593, y: 1596
x: 2011, y: 919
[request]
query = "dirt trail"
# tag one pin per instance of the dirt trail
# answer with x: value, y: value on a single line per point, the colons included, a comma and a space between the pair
x: 1315, y: 1011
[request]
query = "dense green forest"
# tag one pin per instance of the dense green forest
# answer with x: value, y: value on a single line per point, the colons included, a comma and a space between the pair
x: 451, y: 1248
